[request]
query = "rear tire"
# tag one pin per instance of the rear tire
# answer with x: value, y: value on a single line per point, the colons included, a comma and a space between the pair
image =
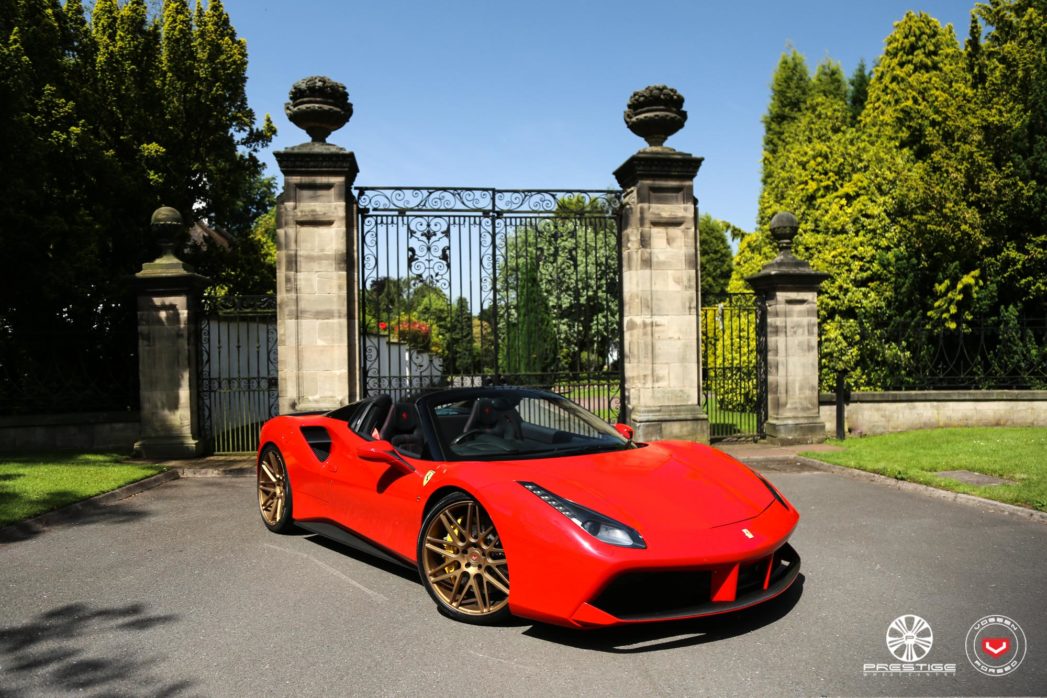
x: 274, y: 491
x: 462, y: 563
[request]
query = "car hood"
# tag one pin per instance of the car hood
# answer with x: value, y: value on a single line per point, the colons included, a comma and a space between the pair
x: 666, y: 485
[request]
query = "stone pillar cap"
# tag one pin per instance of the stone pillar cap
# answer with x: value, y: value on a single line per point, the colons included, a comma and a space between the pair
x: 651, y: 164
x: 167, y: 272
x: 786, y: 270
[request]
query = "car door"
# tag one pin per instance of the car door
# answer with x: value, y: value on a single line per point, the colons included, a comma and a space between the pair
x: 378, y: 500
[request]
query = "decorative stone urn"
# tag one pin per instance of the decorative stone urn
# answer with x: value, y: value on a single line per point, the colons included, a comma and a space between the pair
x: 783, y: 229
x: 167, y: 225
x: 319, y: 106
x: 655, y: 113
x: 784, y: 226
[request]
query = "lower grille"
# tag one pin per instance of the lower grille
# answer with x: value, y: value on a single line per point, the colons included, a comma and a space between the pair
x: 636, y: 594
x: 660, y: 594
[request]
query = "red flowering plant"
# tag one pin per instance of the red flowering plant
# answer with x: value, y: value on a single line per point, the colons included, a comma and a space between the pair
x: 414, y: 333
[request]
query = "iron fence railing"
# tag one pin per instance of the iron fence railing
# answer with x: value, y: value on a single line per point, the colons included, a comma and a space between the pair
x: 68, y: 370
x: 237, y: 370
x: 984, y: 353
x: 734, y: 376
x: 469, y: 286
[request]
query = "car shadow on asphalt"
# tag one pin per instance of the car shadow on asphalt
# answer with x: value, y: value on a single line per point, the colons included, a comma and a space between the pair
x: 630, y: 639
x: 654, y: 637
x: 408, y: 573
x: 55, y: 652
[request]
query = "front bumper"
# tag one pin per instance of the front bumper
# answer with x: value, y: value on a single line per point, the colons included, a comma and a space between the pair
x: 647, y: 596
x: 563, y: 576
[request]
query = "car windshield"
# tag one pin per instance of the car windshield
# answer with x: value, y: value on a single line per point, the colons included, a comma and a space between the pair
x: 506, y: 424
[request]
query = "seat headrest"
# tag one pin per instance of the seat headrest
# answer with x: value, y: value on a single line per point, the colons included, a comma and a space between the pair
x: 405, y: 416
x: 486, y: 413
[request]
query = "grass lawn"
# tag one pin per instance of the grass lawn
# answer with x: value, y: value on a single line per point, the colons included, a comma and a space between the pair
x: 32, y: 485
x: 724, y: 422
x: 1018, y: 454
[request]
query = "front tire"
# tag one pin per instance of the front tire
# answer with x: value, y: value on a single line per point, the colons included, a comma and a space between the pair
x: 274, y: 491
x: 462, y: 563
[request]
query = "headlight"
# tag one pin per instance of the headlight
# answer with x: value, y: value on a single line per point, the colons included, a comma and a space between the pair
x: 595, y: 524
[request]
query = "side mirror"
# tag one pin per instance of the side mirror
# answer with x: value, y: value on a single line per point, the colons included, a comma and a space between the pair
x: 625, y: 430
x: 383, y: 452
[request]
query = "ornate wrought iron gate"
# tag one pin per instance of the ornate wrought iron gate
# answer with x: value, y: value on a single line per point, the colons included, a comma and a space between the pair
x: 237, y: 370
x: 734, y: 367
x: 462, y: 286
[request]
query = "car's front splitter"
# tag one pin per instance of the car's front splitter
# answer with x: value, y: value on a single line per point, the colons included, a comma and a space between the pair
x: 660, y: 595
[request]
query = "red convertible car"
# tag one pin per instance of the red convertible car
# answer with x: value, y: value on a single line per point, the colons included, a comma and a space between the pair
x: 518, y: 501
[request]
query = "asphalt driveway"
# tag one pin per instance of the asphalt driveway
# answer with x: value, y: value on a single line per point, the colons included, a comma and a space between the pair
x: 180, y: 591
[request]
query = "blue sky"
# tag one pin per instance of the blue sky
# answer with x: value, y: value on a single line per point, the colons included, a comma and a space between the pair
x: 531, y: 94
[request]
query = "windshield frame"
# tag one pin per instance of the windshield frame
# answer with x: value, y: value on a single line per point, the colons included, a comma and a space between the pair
x: 428, y: 402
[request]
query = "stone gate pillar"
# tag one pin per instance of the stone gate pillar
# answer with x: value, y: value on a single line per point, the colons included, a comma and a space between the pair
x: 316, y: 261
x: 789, y: 289
x: 660, y: 275
x: 168, y: 301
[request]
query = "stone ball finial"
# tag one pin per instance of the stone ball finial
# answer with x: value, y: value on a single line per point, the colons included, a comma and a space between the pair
x: 166, y: 223
x: 783, y: 229
x: 166, y: 215
x: 655, y: 113
x: 319, y: 106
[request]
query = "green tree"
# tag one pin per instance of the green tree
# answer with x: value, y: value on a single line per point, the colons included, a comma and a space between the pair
x: 829, y: 82
x: 858, y: 89
x: 105, y: 119
x: 1008, y: 68
x: 716, y: 258
x: 921, y: 192
x: 921, y: 103
x: 790, y: 88
x: 841, y: 183
x: 577, y: 257
x: 529, y: 349
x: 461, y: 351
x: 572, y: 258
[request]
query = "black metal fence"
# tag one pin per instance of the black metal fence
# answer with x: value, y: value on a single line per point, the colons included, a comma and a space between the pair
x: 986, y: 353
x: 67, y: 370
x: 237, y: 370
x: 463, y: 286
x: 734, y: 371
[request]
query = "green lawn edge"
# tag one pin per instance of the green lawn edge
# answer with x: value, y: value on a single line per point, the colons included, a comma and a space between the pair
x: 32, y: 485
x: 1014, y: 453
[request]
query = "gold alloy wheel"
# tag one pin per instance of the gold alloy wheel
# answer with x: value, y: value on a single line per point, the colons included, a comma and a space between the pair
x: 272, y: 489
x: 463, y: 560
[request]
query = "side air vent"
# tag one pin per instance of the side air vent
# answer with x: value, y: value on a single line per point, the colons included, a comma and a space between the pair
x: 319, y: 440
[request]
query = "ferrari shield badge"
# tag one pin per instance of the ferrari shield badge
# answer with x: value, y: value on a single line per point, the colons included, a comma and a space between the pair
x: 428, y: 477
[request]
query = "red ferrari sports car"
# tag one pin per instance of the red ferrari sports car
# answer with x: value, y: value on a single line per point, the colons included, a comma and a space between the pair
x: 518, y: 501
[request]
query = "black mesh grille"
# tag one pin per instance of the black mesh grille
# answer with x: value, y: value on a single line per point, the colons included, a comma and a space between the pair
x: 660, y: 594
x: 750, y: 577
x: 645, y: 594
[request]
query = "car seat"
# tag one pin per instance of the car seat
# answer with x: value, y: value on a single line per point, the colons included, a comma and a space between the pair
x: 495, y: 417
x: 402, y: 430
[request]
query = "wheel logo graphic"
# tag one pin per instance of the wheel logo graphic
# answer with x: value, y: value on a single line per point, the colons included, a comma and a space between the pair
x: 995, y: 645
x: 909, y: 638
